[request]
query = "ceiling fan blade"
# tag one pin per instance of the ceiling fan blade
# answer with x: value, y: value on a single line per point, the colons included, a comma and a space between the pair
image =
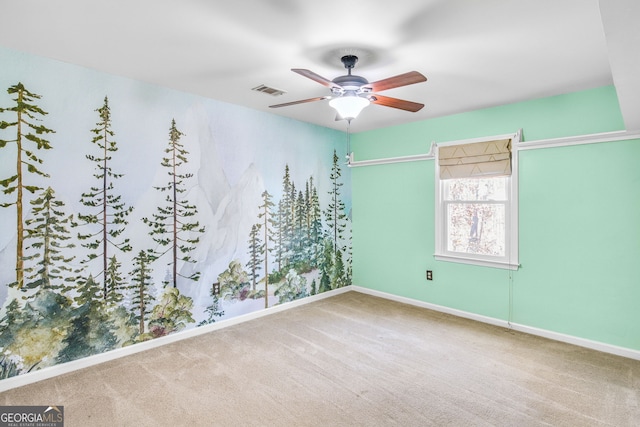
x: 302, y: 101
x: 315, y: 77
x: 405, y: 79
x: 400, y: 104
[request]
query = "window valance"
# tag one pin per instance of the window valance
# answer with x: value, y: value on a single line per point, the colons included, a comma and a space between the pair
x: 478, y: 159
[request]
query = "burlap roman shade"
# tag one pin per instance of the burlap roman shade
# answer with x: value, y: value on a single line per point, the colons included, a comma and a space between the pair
x: 478, y: 159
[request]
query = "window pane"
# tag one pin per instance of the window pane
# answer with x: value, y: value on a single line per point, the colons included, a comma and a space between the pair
x: 476, y: 228
x: 476, y: 189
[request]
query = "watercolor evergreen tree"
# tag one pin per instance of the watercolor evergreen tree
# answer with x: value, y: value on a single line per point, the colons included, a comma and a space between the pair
x: 172, y: 226
x: 286, y: 207
x: 277, y: 250
x: 334, y: 214
x: 29, y: 138
x: 256, y: 251
x: 48, y: 228
x: 141, y: 283
x: 315, y: 226
x: 91, y: 330
x: 337, y: 225
x: 266, y: 215
x: 108, y: 213
x: 299, y: 235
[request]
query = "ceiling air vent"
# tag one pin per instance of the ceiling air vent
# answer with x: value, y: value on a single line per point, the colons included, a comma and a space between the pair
x: 269, y: 90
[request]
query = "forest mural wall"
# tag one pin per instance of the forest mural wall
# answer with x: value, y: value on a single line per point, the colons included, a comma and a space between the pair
x: 129, y: 212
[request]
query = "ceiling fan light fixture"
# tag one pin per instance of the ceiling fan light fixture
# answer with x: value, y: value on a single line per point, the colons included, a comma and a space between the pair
x: 349, y: 106
x: 350, y: 94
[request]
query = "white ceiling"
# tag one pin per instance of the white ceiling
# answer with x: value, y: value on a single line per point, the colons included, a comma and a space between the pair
x: 475, y: 53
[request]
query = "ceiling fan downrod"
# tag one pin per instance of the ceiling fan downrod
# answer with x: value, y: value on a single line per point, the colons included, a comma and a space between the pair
x: 349, y: 62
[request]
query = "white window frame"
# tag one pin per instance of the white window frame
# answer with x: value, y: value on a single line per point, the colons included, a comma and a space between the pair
x: 510, y: 260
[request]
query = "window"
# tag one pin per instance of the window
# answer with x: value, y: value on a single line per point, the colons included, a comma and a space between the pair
x: 476, y: 209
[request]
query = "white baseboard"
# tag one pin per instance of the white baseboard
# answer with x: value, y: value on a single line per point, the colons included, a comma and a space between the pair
x: 63, y: 368
x: 556, y: 336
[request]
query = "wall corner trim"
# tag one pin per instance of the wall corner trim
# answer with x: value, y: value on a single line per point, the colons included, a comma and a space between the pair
x: 556, y: 336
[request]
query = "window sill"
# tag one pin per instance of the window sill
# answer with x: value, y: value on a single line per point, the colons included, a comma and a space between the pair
x: 479, y: 262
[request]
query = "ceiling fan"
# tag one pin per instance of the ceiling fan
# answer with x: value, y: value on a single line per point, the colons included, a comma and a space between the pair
x: 351, y: 93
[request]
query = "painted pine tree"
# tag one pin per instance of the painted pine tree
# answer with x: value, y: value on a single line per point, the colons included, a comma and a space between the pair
x: 48, y: 229
x: 116, y: 283
x: 334, y: 214
x: 91, y: 332
x: 285, y: 215
x: 339, y: 278
x: 308, y: 243
x: 140, y: 286
x: 88, y: 291
x: 278, y: 242
x: 28, y: 139
x: 315, y: 227
x: 108, y: 216
x: 172, y: 226
x: 91, y: 329
x: 326, y: 267
x: 256, y: 251
x: 290, y: 238
x: 266, y: 215
x: 299, y: 231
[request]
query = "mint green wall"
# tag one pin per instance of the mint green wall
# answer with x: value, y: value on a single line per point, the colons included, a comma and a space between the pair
x: 579, y: 220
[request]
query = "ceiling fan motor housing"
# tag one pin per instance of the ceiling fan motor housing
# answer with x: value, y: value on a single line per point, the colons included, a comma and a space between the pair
x: 351, y: 82
x: 350, y: 85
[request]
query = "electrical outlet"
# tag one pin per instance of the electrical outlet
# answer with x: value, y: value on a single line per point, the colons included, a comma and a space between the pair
x: 429, y: 275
